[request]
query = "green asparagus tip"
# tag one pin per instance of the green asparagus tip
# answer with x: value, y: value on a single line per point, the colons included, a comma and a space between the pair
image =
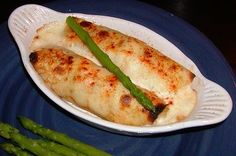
x: 27, y: 123
x: 12, y: 149
x: 61, y: 138
x: 6, y: 129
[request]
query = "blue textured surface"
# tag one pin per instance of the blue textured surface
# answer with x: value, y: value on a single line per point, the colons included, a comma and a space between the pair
x: 20, y: 96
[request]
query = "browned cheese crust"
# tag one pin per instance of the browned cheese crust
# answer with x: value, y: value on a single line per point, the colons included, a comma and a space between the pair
x: 114, y: 43
x: 91, y: 87
x: 99, y: 91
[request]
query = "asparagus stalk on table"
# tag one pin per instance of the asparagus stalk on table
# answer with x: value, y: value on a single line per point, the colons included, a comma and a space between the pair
x: 9, y: 132
x: 109, y: 65
x: 61, y: 138
x: 12, y: 149
x: 58, y: 148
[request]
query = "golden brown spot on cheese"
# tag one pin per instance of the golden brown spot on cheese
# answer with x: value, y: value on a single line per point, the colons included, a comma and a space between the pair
x: 161, y: 72
x: 59, y: 70
x: 111, y: 83
x: 174, y: 68
x: 85, y: 62
x: 170, y: 102
x: 54, y: 61
x: 92, y: 84
x: 125, y: 100
x: 65, y: 60
x: 147, y: 57
x: 86, y: 72
x: 110, y: 46
x: 100, y: 36
x: 71, y: 35
x: 36, y: 37
x: 83, y: 65
x: 78, y: 78
x: 92, y: 73
x: 148, y: 53
x: 128, y: 52
x: 173, y: 87
x: 173, y: 84
x: 33, y: 57
x: 120, y: 43
x: 103, y: 34
x: 112, y: 79
x: 85, y: 24
x: 70, y: 60
x: 84, y: 68
x: 115, y: 44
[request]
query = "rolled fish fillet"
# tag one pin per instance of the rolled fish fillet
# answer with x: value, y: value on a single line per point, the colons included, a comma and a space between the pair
x: 80, y: 81
x: 147, y: 67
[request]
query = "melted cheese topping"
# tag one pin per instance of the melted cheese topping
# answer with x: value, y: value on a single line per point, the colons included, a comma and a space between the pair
x: 146, y: 67
x: 91, y: 87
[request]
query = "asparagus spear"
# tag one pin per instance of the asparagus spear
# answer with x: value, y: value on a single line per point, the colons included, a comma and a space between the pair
x: 6, y: 129
x: 61, y: 138
x: 109, y: 65
x: 58, y: 148
x: 12, y: 149
x: 9, y: 132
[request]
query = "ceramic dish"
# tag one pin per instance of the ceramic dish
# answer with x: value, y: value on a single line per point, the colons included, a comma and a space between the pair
x: 213, y: 104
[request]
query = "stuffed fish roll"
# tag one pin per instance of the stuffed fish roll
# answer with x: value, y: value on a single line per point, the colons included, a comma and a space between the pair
x: 91, y: 87
x: 147, y: 67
